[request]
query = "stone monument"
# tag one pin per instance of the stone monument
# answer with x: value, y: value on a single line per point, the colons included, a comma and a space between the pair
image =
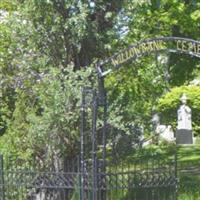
x: 184, y: 128
x: 162, y: 131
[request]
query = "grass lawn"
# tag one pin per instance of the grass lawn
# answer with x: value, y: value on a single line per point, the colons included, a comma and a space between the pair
x: 189, y: 172
x: 189, y: 155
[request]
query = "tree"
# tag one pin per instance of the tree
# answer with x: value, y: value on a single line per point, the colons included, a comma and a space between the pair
x: 45, y: 122
x: 73, y: 31
x: 38, y: 47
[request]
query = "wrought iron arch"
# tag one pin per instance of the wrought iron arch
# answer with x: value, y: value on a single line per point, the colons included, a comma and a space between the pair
x: 145, y: 47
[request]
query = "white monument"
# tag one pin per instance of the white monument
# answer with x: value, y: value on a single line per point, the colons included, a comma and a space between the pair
x: 184, y: 128
x: 166, y: 132
x: 163, y: 131
x: 184, y: 115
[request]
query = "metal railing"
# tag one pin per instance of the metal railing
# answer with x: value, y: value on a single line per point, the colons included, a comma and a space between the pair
x: 152, y: 178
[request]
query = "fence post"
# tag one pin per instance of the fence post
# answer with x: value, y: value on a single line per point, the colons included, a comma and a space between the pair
x: 1, y: 178
x: 176, y: 172
x: 102, y: 102
x: 82, y: 129
x: 88, y: 101
x: 94, y: 144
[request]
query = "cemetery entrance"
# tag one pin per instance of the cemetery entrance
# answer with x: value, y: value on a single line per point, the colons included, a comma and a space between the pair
x: 116, y: 172
x: 108, y: 166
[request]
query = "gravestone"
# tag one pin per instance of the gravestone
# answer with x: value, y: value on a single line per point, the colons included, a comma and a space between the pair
x: 184, y: 128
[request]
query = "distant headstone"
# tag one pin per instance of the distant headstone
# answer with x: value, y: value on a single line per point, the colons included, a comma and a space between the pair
x: 184, y: 128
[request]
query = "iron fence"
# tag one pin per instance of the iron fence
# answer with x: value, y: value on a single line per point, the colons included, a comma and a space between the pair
x: 144, y: 178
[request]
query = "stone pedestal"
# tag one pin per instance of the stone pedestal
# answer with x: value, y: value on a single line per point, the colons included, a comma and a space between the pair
x: 184, y: 136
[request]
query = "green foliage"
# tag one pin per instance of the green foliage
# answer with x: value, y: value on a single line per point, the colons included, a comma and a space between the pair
x: 133, y: 91
x: 46, y: 121
x: 170, y: 102
x: 166, y: 18
x: 8, y: 5
x: 18, y: 62
x: 40, y: 52
x: 72, y: 31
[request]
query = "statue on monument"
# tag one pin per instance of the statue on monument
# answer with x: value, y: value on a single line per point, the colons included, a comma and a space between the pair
x: 184, y: 115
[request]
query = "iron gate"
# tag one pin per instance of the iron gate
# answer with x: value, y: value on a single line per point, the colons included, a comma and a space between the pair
x: 150, y: 177
x: 99, y: 174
